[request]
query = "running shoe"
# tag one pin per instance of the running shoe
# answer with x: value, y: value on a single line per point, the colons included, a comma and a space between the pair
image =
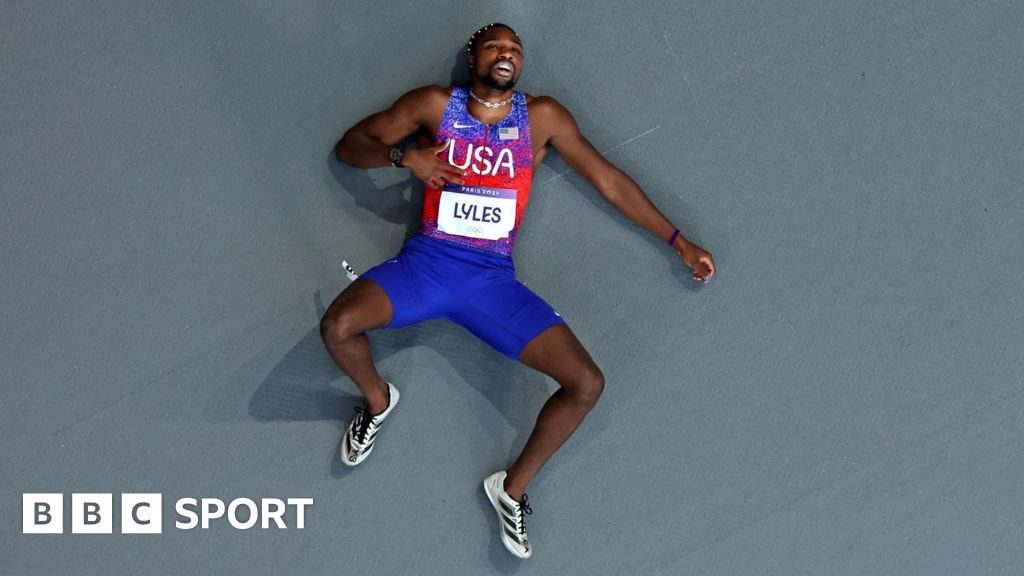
x: 362, y: 431
x: 511, y: 515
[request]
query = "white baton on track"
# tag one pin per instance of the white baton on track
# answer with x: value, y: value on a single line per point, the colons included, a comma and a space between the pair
x: 349, y: 271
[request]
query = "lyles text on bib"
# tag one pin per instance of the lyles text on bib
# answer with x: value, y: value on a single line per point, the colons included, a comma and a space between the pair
x: 477, y: 211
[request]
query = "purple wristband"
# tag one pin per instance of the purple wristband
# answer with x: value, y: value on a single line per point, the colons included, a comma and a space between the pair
x: 673, y: 238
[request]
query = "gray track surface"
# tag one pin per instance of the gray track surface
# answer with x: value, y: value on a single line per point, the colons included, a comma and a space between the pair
x: 845, y: 398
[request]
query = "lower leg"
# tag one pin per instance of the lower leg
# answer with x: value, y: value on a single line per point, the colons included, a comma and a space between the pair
x: 558, y: 419
x: 362, y: 306
x: 557, y: 353
x: 353, y: 357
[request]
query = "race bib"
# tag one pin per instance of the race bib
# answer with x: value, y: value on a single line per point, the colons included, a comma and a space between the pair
x: 477, y: 211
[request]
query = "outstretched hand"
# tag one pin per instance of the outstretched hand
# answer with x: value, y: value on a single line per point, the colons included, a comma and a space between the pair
x: 428, y: 167
x: 699, y: 260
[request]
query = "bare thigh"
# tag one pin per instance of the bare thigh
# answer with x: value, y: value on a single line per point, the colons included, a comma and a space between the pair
x: 362, y: 306
x: 557, y: 353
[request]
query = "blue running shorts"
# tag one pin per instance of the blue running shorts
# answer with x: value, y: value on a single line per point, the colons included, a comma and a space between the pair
x: 473, y: 288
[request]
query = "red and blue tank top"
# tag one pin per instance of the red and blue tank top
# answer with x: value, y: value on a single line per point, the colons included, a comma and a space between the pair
x: 485, y: 211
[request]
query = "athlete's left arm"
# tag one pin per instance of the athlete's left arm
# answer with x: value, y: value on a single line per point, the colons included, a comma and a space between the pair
x: 617, y: 187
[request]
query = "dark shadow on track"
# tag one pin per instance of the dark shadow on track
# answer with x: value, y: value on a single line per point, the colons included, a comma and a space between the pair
x: 398, y: 203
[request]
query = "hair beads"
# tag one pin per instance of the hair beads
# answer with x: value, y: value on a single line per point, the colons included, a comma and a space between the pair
x: 472, y: 39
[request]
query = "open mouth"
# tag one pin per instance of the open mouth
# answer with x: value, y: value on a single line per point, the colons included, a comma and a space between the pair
x: 504, y: 69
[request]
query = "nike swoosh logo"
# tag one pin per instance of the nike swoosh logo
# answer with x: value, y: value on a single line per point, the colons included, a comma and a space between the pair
x: 457, y: 125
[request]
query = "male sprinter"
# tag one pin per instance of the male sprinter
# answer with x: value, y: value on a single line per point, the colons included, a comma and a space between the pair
x: 486, y: 139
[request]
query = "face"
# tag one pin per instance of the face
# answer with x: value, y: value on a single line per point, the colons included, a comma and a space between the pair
x: 494, y: 52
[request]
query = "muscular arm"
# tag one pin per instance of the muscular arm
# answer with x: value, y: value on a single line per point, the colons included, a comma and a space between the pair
x: 613, y: 184
x: 367, y: 144
x: 616, y: 187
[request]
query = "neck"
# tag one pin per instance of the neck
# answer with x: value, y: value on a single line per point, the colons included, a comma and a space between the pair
x: 488, y: 93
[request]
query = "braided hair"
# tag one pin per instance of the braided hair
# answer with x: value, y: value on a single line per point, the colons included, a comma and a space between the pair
x: 478, y: 33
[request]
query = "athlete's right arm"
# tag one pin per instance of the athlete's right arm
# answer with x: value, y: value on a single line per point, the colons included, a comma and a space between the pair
x: 369, y: 142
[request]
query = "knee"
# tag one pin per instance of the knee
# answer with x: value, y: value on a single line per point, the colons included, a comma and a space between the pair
x: 335, y: 328
x: 588, y: 386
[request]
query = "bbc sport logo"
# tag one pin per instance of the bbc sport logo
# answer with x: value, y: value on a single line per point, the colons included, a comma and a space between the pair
x: 93, y: 513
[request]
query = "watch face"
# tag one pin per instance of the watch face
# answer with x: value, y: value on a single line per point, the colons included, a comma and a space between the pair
x: 396, y: 155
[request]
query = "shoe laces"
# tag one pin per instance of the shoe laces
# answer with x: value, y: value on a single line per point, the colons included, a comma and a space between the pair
x: 364, y: 421
x: 524, y: 510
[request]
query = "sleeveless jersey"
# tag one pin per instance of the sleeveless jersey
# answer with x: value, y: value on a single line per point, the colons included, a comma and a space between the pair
x: 486, y: 210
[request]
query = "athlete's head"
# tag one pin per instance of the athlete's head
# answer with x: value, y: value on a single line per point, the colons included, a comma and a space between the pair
x: 490, y: 46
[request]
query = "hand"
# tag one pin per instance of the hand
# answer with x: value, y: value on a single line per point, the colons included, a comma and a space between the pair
x: 698, y: 259
x: 427, y: 166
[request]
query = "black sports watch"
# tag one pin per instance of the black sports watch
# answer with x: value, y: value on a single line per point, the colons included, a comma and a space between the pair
x: 396, y: 155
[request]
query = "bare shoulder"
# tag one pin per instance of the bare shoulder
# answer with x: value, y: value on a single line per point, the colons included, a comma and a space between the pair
x: 420, y: 107
x: 549, y: 118
x: 546, y: 107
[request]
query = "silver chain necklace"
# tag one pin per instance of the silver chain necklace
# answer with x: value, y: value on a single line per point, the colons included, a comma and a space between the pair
x: 490, y: 104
